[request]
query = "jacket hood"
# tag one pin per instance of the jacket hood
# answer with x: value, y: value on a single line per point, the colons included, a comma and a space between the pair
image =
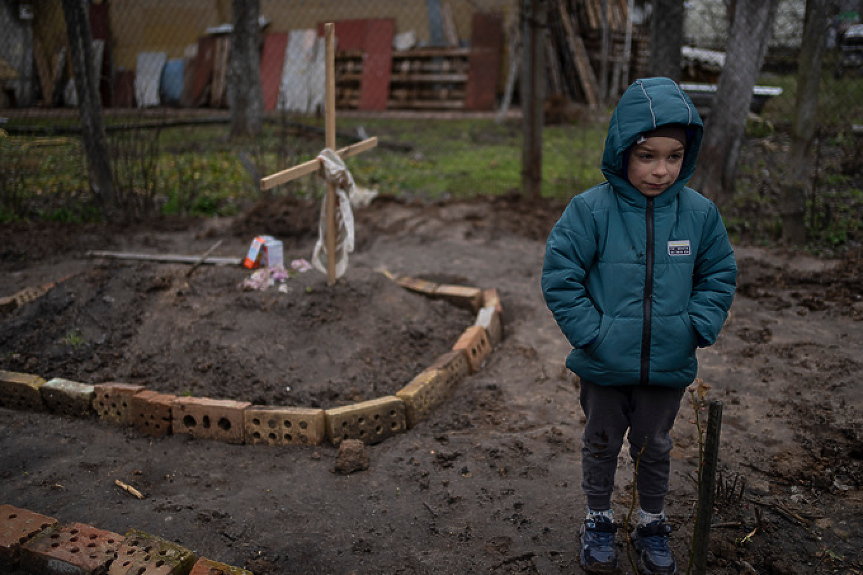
x: 645, y: 106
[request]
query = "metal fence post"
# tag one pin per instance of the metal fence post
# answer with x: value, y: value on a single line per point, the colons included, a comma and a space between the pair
x: 706, y: 489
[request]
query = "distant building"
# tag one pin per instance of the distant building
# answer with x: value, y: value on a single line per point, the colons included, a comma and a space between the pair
x: 706, y: 24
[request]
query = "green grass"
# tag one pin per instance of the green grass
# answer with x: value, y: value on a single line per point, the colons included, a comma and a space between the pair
x: 198, y: 170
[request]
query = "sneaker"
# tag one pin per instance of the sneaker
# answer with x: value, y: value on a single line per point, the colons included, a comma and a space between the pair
x: 654, y: 555
x: 598, y: 553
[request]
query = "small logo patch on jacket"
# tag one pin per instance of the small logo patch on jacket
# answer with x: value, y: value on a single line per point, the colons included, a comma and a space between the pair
x: 678, y: 247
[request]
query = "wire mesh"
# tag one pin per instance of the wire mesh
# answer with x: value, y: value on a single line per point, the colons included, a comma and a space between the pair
x: 436, y: 80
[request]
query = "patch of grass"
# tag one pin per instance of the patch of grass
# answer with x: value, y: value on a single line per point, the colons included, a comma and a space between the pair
x: 74, y: 339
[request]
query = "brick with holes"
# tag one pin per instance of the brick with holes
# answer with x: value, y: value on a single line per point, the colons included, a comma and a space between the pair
x: 284, y: 425
x: 489, y: 318
x: 151, y: 412
x: 206, y: 566
x: 205, y: 418
x: 475, y: 344
x: 72, y: 548
x: 142, y: 553
x: 113, y: 401
x: 455, y: 364
x: 16, y: 527
x: 425, y: 392
x: 369, y: 421
x: 21, y: 391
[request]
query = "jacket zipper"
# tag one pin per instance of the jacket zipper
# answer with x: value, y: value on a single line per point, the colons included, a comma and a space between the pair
x: 647, y: 302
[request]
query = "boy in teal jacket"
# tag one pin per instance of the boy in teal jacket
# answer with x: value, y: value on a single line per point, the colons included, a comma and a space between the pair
x: 638, y: 273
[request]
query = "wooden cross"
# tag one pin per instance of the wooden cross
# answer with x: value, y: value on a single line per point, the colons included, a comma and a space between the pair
x: 313, y: 165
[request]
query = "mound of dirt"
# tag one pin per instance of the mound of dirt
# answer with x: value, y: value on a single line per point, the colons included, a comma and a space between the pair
x: 309, y: 345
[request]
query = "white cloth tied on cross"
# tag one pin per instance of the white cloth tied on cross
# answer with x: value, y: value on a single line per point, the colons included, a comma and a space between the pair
x: 335, y: 172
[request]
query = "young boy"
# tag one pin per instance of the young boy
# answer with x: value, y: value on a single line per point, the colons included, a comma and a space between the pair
x: 638, y: 273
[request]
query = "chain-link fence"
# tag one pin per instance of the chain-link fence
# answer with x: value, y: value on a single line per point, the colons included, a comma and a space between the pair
x: 436, y: 80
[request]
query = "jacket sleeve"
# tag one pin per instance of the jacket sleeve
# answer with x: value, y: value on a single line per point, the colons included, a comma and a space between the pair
x: 569, y: 252
x: 714, y: 280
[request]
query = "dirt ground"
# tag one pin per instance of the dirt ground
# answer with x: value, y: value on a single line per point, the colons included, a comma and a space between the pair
x: 490, y: 482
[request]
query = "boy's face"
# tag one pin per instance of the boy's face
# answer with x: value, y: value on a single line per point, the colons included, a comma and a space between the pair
x: 655, y: 163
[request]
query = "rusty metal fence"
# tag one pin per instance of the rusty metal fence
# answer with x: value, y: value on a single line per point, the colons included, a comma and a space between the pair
x: 413, y: 63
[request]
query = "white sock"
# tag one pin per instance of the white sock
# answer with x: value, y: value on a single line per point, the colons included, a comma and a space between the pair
x: 608, y: 513
x: 644, y: 517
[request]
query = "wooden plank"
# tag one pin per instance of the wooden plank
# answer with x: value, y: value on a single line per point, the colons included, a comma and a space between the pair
x: 43, y: 69
x: 449, y: 30
x: 312, y: 165
x: 272, y: 63
x: 330, y: 125
x: 431, y: 53
x: 203, y: 70
x: 484, y: 61
x: 427, y: 104
x: 585, y: 73
x: 165, y: 258
x: 432, y: 78
x: 554, y: 67
x: 377, y: 65
x: 219, y: 93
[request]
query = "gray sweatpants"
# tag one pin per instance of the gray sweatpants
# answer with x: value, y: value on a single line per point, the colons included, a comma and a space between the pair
x: 648, y: 412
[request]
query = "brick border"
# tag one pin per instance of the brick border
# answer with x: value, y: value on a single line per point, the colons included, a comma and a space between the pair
x: 40, y: 544
x: 155, y: 413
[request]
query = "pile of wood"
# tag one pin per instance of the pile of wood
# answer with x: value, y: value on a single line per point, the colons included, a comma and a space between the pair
x: 447, y: 77
x: 578, y: 67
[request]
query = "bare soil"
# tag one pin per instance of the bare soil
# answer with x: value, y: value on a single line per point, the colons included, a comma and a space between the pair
x: 490, y: 482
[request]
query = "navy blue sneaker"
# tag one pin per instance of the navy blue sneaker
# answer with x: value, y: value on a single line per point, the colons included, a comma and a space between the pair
x: 654, y: 555
x: 598, y: 553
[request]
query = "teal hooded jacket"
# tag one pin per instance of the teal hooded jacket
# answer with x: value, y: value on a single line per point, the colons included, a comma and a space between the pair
x: 637, y: 284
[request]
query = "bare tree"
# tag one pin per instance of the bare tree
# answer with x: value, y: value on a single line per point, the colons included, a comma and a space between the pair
x: 245, y: 93
x: 89, y: 104
x: 666, y: 38
x: 803, y: 131
x: 746, y: 46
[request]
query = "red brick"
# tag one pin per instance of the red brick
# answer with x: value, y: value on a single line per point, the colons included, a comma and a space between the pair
x: 142, y: 553
x: 113, y: 401
x: 206, y: 566
x: 475, y: 345
x: 16, y: 527
x: 70, y: 548
x: 151, y: 412
x: 284, y: 425
x: 461, y: 296
x: 205, y: 418
x: 21, y: 391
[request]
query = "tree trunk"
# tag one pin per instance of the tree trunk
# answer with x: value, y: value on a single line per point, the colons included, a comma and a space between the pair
x: 746, y: 46
x: 89, y: 104
x: 808, y: 82
x: 533, y: 95
x: 245, y: 93
x: 666, y: 38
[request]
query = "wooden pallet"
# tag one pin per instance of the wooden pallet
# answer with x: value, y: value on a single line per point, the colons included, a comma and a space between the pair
x: 422, y: 78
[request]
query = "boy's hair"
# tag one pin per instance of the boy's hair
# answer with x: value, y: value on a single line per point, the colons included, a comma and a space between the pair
x: 676, y: 131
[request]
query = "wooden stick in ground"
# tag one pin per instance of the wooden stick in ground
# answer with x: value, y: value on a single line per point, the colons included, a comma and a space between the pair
x: 706, y: 490
x: 330, y: 124
x: 198, y: 263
